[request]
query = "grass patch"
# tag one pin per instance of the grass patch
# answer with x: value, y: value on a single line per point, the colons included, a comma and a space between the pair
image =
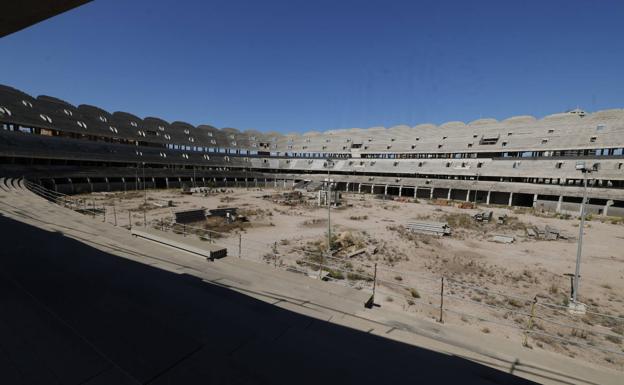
x: 414, y: 293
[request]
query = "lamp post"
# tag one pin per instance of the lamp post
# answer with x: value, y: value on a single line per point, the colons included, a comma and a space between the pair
x: 576, y: 306
x: 328, y: 199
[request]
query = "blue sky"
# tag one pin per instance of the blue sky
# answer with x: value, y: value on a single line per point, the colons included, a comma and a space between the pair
x: 295, y: 66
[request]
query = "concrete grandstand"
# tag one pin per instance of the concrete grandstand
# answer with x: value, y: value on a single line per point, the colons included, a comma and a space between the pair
x: 520, y: 161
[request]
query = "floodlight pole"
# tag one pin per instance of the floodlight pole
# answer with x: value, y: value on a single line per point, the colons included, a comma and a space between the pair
x: 579, y: 249
x: 328, y: 211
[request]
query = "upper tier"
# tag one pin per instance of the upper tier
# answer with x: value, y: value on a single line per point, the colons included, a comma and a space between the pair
x: 571, y: 130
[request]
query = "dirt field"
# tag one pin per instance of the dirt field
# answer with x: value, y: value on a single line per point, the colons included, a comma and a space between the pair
x: 366, y: 230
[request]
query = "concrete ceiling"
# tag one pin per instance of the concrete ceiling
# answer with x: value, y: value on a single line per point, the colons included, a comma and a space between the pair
x: 17, y: 15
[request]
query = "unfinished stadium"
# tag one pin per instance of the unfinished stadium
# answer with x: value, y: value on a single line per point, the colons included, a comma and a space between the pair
x: 520, y: 161
x: 244, y: 213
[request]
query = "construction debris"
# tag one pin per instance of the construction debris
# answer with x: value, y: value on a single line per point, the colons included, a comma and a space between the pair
x: 552, y: 233
x: 503, y: 238
x: 548, y: 233
x: 484, y: 216
x: 190, y: 216
x: 436, y: 228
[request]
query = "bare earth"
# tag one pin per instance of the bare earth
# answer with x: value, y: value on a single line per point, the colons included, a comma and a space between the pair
x: 488, y: 286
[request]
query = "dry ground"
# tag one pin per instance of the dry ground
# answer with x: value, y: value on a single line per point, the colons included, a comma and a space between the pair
x: 410, y: 266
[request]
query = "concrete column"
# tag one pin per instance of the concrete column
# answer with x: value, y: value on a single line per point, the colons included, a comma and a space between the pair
x: 319, y: 197
x: 448, y: 196
x: 204, y: 181
x: 274, y: 183
x: 256, y: 182
x: 510, y: 199
x: 123, y: 180
x: 347, y: 187
x: 107, y: 184
x: 534, y: 200
x: 468, y: 195
x: 284, y: 183
x: 385, y: 190
x: 558, y: 210
x: 415, y: 190
x: 487, y: 200
x: 606, y: 207
x: 153, y: 183
x: 359, y: 188
x: 431, y: 193
x: 90, y: 184
x: 372, y: 189
x: 400, y: 190
x: 265, y: 182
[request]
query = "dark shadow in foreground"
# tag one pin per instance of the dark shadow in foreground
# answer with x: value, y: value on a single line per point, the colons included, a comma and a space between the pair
x: 71, y: 314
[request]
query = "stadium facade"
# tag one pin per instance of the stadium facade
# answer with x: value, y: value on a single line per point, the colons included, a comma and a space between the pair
x: 520, y: 161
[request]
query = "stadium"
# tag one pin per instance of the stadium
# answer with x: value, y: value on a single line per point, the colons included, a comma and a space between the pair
x: 142, y: 249
x: 520, y: 161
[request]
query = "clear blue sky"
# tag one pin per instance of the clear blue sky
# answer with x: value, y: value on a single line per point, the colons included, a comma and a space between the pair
x: 297, y: 65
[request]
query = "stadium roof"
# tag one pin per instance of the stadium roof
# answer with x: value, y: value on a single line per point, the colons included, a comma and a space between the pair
x: 17, y: 15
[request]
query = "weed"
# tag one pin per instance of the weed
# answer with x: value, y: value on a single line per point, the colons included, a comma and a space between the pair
x: 414, y: 293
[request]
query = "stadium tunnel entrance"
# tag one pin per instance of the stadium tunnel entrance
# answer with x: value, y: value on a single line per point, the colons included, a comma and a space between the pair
x: 522, y: 200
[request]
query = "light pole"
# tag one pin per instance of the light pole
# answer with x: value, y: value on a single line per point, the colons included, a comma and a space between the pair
x: 328, y: 199
x: 580, y: 166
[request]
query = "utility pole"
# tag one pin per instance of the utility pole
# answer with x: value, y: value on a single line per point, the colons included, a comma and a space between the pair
x: 579, y: 249
x: 328, y: 198
x: 577, y: 307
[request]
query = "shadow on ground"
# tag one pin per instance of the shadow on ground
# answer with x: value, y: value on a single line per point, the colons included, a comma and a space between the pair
x: 71, y: 314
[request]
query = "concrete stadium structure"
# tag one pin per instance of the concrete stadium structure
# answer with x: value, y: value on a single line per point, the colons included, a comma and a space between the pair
x: 520, y: 161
